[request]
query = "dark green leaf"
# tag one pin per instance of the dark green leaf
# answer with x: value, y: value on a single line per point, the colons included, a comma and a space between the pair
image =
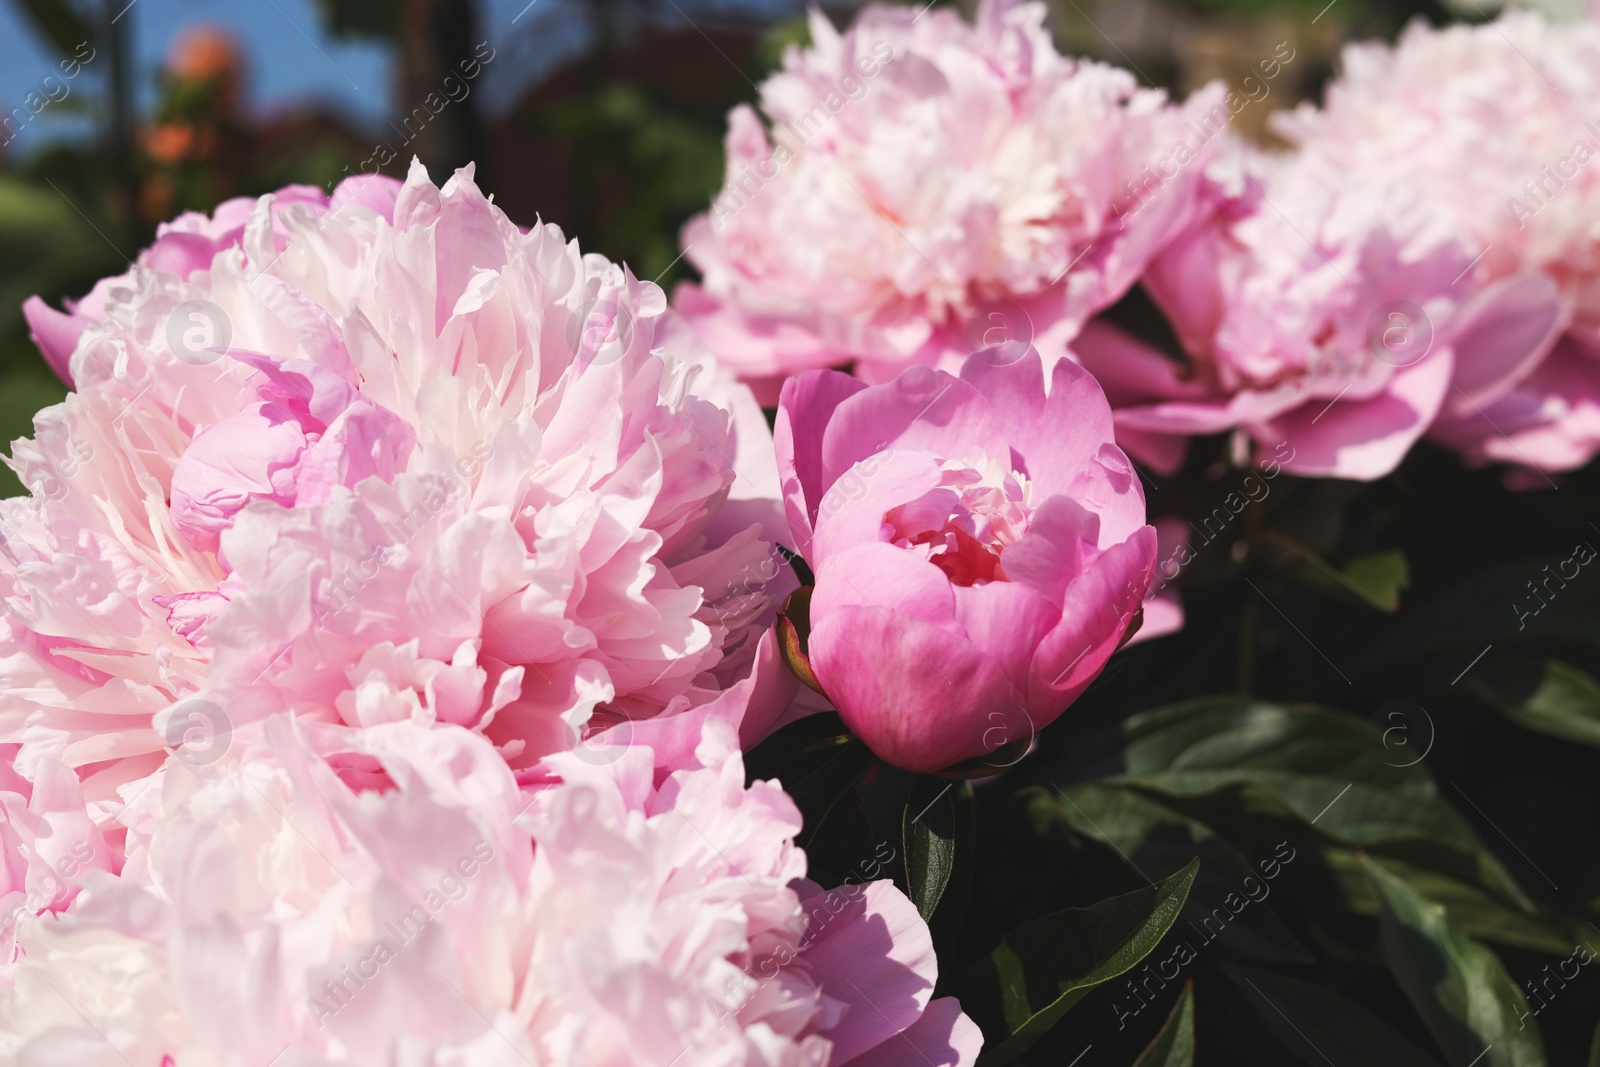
x: 1153, y: 837
x: 928, y: 827
x: 949, y: 920
x: 1374, y: 580
x: 1447, y: 880
x: 839, y: 843
x: 1321, y: 1026
x: 1459, y: 988
x: 1565, y: 704
x: 1332, y: 771
x: 1174, y: 1045
x: 836, y: 834
x: 1329, y: 767
x: 1381, y: 577
x: 1039, y: 970
x: 845, y: 765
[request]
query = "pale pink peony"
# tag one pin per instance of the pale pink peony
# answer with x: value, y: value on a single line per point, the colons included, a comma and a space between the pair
x: 979, y: 545
x: 1496, y: 126
x: 186, y: 244
x: 386, y: 458
x: 925, y: 183
x: 1327, y: 318
x: 270, y: 914
x: 48, y: 844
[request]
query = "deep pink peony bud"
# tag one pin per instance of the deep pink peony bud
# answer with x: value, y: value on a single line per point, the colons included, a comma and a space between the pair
x: 979, y: 544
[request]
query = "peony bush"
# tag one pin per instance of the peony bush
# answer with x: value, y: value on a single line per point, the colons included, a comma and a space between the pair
x: 424, y: 643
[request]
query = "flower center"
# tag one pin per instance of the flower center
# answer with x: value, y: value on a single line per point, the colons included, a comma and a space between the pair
x: 980, y: 507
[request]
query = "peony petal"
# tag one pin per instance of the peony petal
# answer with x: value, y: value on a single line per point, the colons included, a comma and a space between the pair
x: 55, y: 333
x: 875, y: 955
x: 942, y: 1037
x: 1500, y: 335
x: 922, y: 410
x: 919, y: 695
x: 1364, y: 439
x: 807, y: 405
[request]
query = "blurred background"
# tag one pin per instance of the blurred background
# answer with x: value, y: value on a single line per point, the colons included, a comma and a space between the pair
x: 604, y: 116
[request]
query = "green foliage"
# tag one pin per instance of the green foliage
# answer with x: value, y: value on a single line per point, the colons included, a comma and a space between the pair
x: 1322, y: 1027
x: 619, y: 133
x: 930, y: 843
x: 361, y: 18
x: 1319, y: 764
x: 1380, y: 577
x: 1564, y: 703
x: 1042, y: 969
x: 57, y: 22
x: 49, y: 247
x: 1174, y: 1045
x: 1460, y: 989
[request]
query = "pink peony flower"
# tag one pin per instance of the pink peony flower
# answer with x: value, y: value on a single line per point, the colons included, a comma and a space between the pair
x: 188, y: 243
x: 271, y: 914
x: 1319, y: 316
x: 979, y: 544
x: 382, y: 459
x: 48, y: 843
x: 1495, y: 125
x: 925, y: 183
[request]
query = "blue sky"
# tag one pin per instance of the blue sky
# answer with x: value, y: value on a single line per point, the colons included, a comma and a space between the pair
x: 293, y: 59
x: 284, y: 38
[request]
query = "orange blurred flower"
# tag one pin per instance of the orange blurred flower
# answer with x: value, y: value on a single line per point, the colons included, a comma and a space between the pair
x: 171, y: 142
